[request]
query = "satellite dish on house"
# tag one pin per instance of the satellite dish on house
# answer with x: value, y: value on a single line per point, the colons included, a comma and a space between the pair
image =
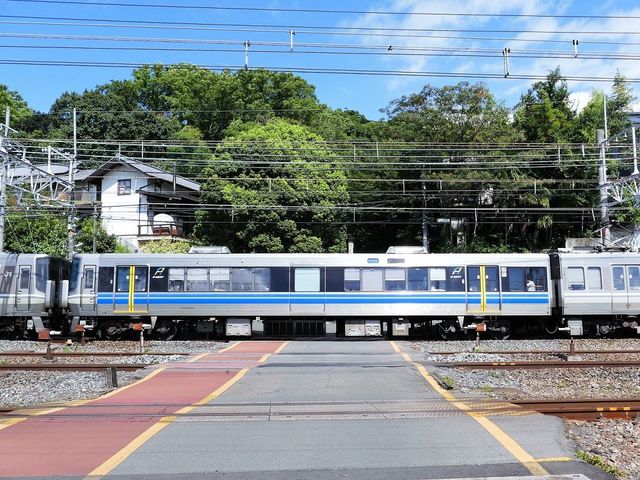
x: 162, y: 218
x: 164, y: 224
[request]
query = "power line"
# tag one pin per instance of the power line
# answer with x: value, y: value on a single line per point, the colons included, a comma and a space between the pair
x: 314, y: 70
x: 316, y: 10
x: 311, y: 29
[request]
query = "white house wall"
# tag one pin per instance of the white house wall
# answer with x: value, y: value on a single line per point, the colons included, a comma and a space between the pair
x: 121, y: 213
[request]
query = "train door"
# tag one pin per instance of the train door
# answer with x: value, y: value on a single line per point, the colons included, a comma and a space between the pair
x: 23, y: 290
x: 88, y: 288
x: 626, y: 287
x: 483, y: 289
x: 132, y: 287
x: 307, y: 289
x: 633, y: 289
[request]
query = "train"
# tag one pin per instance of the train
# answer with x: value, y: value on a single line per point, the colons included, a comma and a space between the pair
x: 399, y: 293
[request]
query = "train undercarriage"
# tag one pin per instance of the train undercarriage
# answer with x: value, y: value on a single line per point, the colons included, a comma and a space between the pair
x: 444, y: 328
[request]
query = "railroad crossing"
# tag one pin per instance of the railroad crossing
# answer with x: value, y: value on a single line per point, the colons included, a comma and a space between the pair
x: 304, y: 409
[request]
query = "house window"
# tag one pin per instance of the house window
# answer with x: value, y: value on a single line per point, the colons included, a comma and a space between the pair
x: 124, y: 187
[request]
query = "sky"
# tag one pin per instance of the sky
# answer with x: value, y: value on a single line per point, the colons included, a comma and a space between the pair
x: 411, y: 38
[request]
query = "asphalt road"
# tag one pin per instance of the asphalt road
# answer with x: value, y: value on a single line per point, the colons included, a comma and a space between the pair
x: 348, y: 410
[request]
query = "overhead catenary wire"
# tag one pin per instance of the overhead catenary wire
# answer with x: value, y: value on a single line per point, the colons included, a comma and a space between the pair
x: 318, y: 10
x: 316, y: 29
x: 314, y: 70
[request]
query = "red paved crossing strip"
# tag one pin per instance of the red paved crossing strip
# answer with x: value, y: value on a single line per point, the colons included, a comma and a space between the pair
x: 75, y: 440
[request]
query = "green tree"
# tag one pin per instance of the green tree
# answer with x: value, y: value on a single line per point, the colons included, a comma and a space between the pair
x: 619, y: 105
x: 166, y: 246
x: 105, y: 243
x: 36, y: 231
x: 20, y: 111
x: 544, y: 114
x: 273, y: 188
x: 459, y: 113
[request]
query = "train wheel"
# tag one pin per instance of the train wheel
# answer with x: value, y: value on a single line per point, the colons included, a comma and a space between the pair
x: 502, y: 333
x: 550, y: 327
x: 112, y: 331
x: 446, y: 330
x: 165, y: 330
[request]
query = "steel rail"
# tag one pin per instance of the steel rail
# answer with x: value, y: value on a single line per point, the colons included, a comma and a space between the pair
x: 78, y: 367
x: 88, y: 354
x: 537, y: 352
x: 584, y: 408
x: 513, y: 365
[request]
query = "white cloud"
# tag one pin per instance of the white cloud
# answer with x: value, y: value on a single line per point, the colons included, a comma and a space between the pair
x: 580, y: 99
x: 543, y: 51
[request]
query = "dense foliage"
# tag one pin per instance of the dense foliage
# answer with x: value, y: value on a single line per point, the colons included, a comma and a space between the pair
x: 282, y: 172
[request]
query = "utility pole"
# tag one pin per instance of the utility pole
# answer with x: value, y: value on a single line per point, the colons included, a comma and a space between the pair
x: 3, y: 180
x: 95, y: 228
x: 602, y: 180
x: 425, y: 225
x: 71, y: 218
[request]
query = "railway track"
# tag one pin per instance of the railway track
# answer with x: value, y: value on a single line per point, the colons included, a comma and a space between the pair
x: 512, y: 365
x: 75, y: 367
x: 584, y: 408
x: 542, y: 352
x: 89, y: 354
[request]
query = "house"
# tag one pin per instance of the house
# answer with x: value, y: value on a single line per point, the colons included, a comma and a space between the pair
x: 136, y: 201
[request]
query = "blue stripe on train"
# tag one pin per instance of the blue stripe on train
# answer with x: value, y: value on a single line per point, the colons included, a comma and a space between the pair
x: 315, y: 299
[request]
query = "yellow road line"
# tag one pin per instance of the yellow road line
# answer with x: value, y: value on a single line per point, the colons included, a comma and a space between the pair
x: 136, y: 443
x: 197, y: 357
x: 11, y: 421
x: 264, y: 358
x: 233, y: 345
x: 554, y: 459
x: 141, y: 439
x: 281, y: 347
x: 505, y: 440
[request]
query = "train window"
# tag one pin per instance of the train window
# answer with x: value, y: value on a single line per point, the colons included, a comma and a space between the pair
x: 25, y: 273
x: 618, y: 278
x: 525, y: 279
x: 89, y: 274
x: 42, y: 273
x: 417, y: 279
x: 491, y: 274
x: 473, y: 275
x: 176, y: 279
x: 241, y: 280
x: 75, y: 274
x: 141, y: 274
x: 394, y: 279
x: 371, y: 280
x: 122, y: 280
x: 262, y: 279
x: 438, y: 279
x: 306, y: 280
x: 351, y: 279
x: 105, y: 279
x: 197, y: 280
x: 575, y: 278
x: 633, y: 274
x: 455, y: 279
x: 594, y: 278
x: 220, y: 279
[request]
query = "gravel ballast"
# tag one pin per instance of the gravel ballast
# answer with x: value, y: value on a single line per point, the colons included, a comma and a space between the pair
x: 30, y: 388
x: 615, y: 442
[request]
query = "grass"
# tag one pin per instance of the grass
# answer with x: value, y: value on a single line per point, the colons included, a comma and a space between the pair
x: 448, y: 382
x: 599, y: 462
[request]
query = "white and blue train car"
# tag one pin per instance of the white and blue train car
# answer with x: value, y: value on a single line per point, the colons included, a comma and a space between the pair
x: 33, y: 293
x: 597, y: 292
x: 309, y: 294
